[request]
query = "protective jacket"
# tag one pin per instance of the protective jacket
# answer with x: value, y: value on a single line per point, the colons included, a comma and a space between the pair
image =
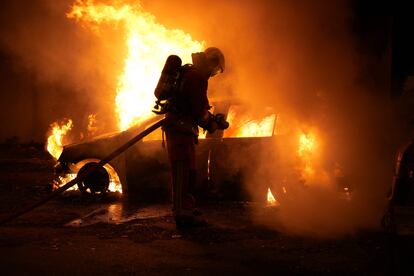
x: 182, y: 131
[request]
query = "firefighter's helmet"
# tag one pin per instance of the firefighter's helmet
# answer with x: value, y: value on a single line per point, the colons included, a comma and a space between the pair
x: 215, y: 58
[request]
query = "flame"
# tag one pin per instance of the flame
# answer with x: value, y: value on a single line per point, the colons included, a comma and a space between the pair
x: 306, y: 150
x: 271, y: 200
x: 312, y: 168
x: 246, y: 127
x: 149, y: 44
x: 306, y: 144
x: 55, y: 140
x: 261, y: 128
x: 62, y: 180
x: 92, y: 128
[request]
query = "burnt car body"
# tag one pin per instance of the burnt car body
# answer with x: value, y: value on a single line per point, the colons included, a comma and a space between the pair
x: 222, y: 162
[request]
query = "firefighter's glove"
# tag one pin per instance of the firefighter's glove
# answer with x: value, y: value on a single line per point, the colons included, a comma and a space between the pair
x: 219, y: 118
x: 211, y: 124
x: 216, y: 122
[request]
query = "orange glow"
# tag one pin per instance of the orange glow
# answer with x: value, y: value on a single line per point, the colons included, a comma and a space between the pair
x: 55, y: 140
x: 306, y: 144
x: 149, y: 44
x: 271, y: 200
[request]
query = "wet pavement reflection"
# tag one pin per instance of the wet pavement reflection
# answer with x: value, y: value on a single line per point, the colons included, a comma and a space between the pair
x: 120, y: 212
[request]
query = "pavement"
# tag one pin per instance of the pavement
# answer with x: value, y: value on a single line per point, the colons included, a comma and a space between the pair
x: 113, y: 235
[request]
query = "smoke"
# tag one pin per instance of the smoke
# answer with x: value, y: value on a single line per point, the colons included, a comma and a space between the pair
x: 56, y: 68
x: 301, y: 58
x: 305, y: 60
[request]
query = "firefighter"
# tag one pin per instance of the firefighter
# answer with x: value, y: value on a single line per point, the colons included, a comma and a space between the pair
x: 191, y: 110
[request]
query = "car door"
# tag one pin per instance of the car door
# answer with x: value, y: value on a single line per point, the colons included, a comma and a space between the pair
x: 236, y: 158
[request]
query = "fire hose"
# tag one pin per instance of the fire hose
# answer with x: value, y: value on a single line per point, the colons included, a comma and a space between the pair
x: 82, y: 176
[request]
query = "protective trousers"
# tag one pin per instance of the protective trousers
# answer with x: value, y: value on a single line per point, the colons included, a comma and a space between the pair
x: 181, y: 153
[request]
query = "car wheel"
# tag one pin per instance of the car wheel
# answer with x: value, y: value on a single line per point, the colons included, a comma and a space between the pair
x: 95, y: 179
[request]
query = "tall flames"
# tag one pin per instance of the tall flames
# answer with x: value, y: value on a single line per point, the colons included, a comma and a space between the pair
x: 149, y: 44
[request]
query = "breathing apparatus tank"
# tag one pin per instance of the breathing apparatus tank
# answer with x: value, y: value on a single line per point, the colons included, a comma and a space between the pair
x: 169, y: 78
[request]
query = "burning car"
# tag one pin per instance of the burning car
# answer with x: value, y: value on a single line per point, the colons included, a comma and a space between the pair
x: 223, y: 159
x: 249, y: 151
x: 250, y: 160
